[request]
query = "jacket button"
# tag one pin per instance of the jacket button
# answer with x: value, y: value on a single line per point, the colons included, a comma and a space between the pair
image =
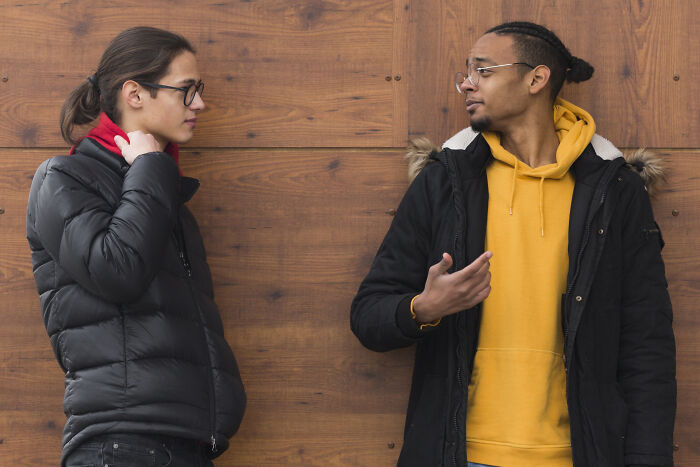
x: 601, y: 232
x: 115, y: 445
x: 579, y: 298
x: 619, y: 179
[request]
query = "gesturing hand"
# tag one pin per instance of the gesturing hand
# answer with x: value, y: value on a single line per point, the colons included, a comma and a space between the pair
x: 139, y: 143
x: 445, y: 294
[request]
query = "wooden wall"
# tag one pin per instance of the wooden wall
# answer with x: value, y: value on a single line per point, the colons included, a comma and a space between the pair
x: 300, y: 158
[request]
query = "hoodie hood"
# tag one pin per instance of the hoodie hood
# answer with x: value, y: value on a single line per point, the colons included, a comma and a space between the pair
x: 647, y: 163
x: 575, y: 129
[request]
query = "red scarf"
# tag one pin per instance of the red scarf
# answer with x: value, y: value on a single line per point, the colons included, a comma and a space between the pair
x: 106, y: 130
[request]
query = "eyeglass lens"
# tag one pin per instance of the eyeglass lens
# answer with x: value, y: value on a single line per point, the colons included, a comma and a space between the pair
x: 192, y: 90
x: 459, y: 79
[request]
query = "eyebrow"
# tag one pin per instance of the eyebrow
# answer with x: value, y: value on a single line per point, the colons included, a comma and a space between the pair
x: 482, y: 60
x: 187, y: 81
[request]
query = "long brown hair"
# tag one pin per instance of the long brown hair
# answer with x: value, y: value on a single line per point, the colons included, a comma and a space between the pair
x: 140, y: 54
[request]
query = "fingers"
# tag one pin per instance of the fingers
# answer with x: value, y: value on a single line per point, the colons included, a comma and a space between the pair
x: 442, y: 266
x: 120, y: 142
x: 477, y: 266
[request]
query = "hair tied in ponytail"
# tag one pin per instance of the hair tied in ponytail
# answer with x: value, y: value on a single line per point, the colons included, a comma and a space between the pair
x: 579, y: 70
x: 93, y: 81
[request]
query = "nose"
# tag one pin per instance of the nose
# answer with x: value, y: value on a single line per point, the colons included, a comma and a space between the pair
x: 198, y: 103
x: 466, y: 86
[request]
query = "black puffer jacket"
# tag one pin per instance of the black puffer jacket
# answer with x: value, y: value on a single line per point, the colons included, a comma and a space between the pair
x: 619, y: 344
x: 127, y: 300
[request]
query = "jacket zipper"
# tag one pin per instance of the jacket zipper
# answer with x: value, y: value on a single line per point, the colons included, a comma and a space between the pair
x: 459, y: 406
x: 182, y: 253
x: 605, y: 181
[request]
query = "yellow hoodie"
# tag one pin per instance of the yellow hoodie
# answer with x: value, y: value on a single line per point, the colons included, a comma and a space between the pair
x: 517, y: 413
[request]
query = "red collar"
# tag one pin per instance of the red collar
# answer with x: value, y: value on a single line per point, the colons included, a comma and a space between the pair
x: 106, y: 130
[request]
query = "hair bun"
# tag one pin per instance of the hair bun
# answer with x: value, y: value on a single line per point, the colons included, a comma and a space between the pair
x: 579, y: 70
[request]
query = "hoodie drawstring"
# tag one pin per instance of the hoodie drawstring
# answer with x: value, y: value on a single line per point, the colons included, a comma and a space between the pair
x: 512, y: 186
x: 541, y: 196
x: 542, y: 205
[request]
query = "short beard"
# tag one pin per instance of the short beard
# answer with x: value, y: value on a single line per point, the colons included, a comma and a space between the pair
x: 480, y: 125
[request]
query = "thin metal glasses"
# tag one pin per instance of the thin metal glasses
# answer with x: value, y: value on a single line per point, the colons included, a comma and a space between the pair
x: 189, y: 91
x: 474, y: 72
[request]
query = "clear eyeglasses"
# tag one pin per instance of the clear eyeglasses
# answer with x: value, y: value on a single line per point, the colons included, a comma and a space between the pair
x: 474, y: 72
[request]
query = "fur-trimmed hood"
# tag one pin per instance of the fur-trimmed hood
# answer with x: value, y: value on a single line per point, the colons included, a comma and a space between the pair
x: 647, y: 163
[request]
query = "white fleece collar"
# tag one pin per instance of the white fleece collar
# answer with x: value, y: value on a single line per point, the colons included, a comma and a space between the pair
x: 603, y: 148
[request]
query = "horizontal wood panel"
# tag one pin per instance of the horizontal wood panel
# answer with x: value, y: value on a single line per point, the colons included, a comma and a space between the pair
x: 290, y: 234
x: 639, y: 94
x: 304, y: 73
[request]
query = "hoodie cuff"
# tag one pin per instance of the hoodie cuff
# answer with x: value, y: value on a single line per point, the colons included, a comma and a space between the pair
x: 407, y: 322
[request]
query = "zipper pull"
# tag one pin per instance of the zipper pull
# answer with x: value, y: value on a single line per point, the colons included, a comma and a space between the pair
x: 185, y: 264
x: 213, y: 443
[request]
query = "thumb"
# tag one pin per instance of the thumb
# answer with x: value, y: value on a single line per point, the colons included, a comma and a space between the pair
x: 120, y: 142
x: 444, y: 264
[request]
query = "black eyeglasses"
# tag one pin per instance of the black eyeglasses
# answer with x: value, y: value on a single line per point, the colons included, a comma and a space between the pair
x: 189, y: 91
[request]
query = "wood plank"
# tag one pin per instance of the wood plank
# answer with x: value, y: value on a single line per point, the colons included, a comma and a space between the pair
x: 677, y: 212
x: 290, y: 234
x: 638, y: 95
x: 304, y: 73
x: 402, y: 53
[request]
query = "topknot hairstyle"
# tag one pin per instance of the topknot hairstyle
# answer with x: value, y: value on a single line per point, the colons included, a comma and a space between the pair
x: 538, y: 45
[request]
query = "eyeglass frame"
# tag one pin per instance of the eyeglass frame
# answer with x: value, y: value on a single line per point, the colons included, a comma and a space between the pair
x: 198, y: 89
x: 473, y: 66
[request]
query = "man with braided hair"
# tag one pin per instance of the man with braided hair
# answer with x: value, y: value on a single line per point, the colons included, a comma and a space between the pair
x: 525, y: 264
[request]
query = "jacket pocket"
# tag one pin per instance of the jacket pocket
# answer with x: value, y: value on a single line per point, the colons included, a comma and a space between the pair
x: 653, y: 231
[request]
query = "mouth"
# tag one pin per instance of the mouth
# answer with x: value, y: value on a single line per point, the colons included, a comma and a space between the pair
x: 472, y: 104
x: 192, y: 122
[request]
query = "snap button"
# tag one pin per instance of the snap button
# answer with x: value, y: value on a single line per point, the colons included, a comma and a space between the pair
x: 619, y: 179
x: 579, y: 298
x: 601, y: 232
x: 115, y: 445
x: 151, y: 451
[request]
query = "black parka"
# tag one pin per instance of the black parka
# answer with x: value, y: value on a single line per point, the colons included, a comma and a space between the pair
x: 127, y: 300
x: 619, y: 344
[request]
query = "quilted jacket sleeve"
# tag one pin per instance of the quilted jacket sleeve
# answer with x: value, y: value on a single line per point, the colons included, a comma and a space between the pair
x: 113, y: 253
x: 647, y: 346
x: 380, y: 313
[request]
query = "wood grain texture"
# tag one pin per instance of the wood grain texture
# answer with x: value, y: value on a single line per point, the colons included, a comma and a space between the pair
x: 678, y: 214
x: 303, y: 73
x: 292, y: 229
x: 642, y: 52
x: 290, y: 234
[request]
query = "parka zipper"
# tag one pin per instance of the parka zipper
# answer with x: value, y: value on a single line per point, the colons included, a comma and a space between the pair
x: 187, y: 266
x: 604, y: 183
x: 603, y: 187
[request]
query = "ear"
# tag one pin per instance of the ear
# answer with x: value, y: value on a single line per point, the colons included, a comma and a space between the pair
x: 539, y: 77
x: 131, y: 94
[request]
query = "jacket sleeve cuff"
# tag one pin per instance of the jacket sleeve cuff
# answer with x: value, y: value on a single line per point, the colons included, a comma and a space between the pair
x: 406, y: 319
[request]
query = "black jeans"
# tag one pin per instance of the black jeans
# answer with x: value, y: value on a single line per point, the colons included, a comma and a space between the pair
x: 129, y: 450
